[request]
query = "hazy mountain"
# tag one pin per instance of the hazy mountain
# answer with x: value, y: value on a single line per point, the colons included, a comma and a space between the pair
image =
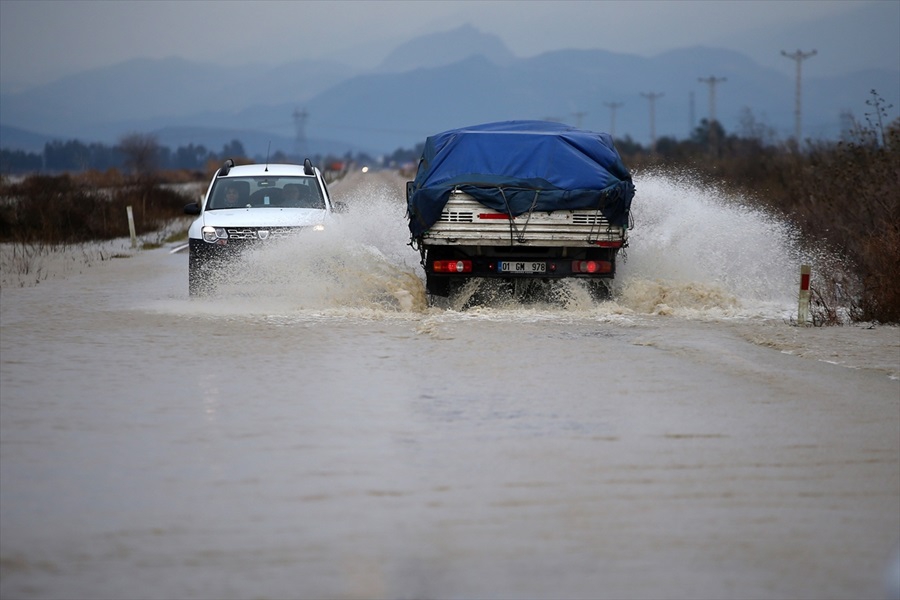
x: 447, y: 47
x: 429, y: 84
x: 576, y: 86
x: 21, y: 139
x: 850, y: 38
x: 148, y: 93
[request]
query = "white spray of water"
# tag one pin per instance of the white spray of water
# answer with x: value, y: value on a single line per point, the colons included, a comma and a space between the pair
x: 695, y: 251
x: 361, y: 262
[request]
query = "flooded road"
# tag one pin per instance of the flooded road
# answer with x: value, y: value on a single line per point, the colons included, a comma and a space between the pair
x: 327, y: 435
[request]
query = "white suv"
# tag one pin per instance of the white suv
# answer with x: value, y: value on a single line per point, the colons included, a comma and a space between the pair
x: 249, y: 205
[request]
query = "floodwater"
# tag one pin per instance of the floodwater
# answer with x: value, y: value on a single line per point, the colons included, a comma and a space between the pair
x: 319, y: 432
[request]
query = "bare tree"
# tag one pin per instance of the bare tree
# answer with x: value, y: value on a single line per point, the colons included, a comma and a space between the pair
x: 141, y: 152
x: 752, y: 128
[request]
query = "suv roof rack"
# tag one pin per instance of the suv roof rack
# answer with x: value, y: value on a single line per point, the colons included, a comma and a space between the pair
x: 226, y: 166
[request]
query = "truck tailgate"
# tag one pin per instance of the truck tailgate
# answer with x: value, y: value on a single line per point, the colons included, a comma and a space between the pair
x: 465, y: 221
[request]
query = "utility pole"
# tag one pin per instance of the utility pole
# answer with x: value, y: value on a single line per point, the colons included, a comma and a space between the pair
x: 300, y: 116
x: 713, y: 130
x: 612, y: 118
x: 578, y: 116
x: 691, y: 119
x: 652, y: 96
x: 799, y: 57
x: 712, y: 81
x: 848, y: 125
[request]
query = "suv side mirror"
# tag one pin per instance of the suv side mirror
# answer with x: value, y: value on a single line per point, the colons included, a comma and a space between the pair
x: 192, y: 209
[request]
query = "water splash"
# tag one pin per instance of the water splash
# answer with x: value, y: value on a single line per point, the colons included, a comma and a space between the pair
x: 695, y: 251
x: 698, y: 249
x: 361, y: 261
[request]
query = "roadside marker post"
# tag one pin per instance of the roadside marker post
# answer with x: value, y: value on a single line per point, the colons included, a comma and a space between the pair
x: 131, y: 226
x: 803, y: 308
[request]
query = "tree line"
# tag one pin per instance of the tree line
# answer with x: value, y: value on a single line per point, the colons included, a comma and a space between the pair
x: 141, y: 153
x: 135, y: 152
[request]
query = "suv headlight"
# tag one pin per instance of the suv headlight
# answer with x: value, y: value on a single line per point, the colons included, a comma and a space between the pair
x: 211, y: 234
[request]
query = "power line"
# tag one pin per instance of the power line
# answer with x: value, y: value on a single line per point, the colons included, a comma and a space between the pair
x: 799, y: 57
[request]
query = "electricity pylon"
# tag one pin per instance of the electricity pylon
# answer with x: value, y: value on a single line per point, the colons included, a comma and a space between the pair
x: 612, y: 116
x: 712, y: 81
x: 799, y: 57
x: 652, y: 96
x: 578, y: 115
x: 713, y: 130
x: 300, y: 136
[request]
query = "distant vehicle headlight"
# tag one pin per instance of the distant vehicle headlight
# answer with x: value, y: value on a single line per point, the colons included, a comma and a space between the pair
x: 211, y: 234
x: 319, y: 227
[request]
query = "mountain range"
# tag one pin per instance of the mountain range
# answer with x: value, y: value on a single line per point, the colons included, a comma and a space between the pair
x: 429, y: 84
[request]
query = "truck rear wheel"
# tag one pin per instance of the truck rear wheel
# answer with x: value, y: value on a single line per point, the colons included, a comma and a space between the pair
x: 599, y: 289
x: 438, y: 286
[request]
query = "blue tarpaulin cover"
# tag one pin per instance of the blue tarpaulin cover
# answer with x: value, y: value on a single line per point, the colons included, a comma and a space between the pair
x: 519, y: 166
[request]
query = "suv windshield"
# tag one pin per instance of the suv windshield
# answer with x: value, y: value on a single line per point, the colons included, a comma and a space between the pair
x: 265, y: 192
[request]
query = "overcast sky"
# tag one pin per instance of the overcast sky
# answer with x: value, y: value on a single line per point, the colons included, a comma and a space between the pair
x: 41, y: 40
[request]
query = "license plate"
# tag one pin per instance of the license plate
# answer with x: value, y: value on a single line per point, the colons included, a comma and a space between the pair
x: 522, y: 267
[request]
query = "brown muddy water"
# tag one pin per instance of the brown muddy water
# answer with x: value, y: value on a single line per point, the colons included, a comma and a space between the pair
x: 319, y: 432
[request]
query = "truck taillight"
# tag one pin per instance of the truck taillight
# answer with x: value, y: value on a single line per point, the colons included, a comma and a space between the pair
x: 452, y: 266
x: 615, y: 244
x: 591, y: 266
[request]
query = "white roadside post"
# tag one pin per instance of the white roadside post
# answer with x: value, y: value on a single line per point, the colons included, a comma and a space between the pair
x: 803, y: 308
x: 131, y: 226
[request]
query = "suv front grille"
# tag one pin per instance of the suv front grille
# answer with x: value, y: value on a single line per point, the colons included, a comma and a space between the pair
x: 252, y: 233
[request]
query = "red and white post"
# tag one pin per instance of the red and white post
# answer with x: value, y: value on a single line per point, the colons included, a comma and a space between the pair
x: 803, y: 308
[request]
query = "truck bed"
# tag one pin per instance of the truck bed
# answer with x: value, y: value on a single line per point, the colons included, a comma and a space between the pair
x: 465, y: 221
